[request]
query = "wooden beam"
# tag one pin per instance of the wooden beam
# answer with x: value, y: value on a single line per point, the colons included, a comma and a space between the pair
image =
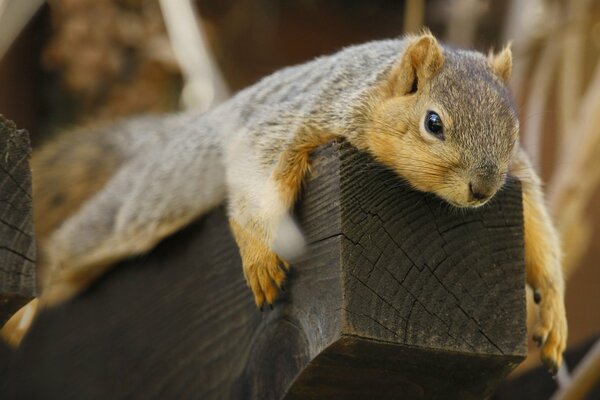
x: 398, y: 294
x: 17, y: 245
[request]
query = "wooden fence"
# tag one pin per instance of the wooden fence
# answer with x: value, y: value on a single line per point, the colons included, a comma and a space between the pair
x: 17, y: 245
x: 398, y: 296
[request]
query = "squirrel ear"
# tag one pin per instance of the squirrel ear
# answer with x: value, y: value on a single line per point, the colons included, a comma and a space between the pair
x: 421, y: 59
x: 501, y: 63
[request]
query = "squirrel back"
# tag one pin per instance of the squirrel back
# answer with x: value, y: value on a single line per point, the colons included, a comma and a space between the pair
x: 74, y: 166
x: 350, y: 93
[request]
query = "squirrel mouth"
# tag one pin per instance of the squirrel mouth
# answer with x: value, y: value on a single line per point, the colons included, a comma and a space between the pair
x: 469, y: 204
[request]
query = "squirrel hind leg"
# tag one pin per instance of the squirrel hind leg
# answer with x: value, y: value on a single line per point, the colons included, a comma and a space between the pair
x: 129, y: 216
x: 72, y: 270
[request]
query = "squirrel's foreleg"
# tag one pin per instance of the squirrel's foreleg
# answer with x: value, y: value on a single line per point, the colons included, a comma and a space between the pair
x: 543, y: 265
x: 264, y: 270
x: 259, y: 201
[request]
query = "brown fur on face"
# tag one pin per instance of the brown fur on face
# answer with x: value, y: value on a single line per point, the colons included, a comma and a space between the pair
x: 395, y: 139
x: 480, y: 126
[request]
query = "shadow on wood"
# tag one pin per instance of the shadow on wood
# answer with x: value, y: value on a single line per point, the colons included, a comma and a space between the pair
x: 398, y: 296
x: 17, y: 245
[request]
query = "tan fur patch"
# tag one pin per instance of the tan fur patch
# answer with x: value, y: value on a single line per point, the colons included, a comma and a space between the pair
x: 393, y: 137
x: 294, y: 163
x: 260, y: 264
x: 501, y: 63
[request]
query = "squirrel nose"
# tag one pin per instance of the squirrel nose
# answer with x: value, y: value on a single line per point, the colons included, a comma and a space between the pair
x: 480, y: 190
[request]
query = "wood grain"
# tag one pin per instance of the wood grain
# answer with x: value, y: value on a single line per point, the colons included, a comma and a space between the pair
x: 397, y: 296
x: 17, y: 245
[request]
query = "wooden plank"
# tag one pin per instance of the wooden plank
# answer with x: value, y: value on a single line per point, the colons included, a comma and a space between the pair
x: 17, y: 245
x: 397, y: 294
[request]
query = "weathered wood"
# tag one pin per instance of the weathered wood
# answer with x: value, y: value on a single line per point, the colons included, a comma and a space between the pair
x: 398, y: 296
x: 17, y: 246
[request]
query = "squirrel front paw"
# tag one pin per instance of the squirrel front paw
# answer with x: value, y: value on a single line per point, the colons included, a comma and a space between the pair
x: 550, y: 333
x: 265, y: 273
x: 264, y: 270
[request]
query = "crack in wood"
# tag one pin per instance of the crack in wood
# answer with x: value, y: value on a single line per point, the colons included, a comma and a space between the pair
x: 15, y: 228
x: 16, y: 183
x: 17, y: 253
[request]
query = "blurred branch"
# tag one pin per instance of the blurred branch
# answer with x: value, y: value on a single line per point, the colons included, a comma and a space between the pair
x: 523, y: 28
x: 537, y: 100
x: 204, y: 85
x: 463, y: 20
x: 584, y: 377
x: 571, y: 68
x: 414, y: 15
x: 574, y: 183
x: 14, y: 16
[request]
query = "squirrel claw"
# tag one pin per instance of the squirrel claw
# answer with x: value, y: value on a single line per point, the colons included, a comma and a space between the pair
x: 538, y: 340
x: 265, y: 278
x: 285, y: 264
x: 551, y: 365
x: 551, y: 333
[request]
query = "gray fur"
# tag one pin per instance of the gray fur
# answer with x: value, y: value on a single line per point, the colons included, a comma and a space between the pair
x: 180, y: 166
x: 481, y: 107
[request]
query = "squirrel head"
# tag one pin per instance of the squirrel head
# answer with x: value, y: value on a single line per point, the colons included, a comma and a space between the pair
x: 445, y: 121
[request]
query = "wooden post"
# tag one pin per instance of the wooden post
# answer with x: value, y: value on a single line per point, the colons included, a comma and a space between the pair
x: 17, y: 245
x: 398, y: 296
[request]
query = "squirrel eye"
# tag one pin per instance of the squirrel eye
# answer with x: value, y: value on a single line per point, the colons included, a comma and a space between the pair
x: 433, y: 124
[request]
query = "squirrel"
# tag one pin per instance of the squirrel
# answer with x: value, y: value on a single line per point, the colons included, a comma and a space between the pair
x: 441, y: 118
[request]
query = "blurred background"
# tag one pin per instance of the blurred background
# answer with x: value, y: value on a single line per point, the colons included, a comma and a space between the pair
x: 64, y: 63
